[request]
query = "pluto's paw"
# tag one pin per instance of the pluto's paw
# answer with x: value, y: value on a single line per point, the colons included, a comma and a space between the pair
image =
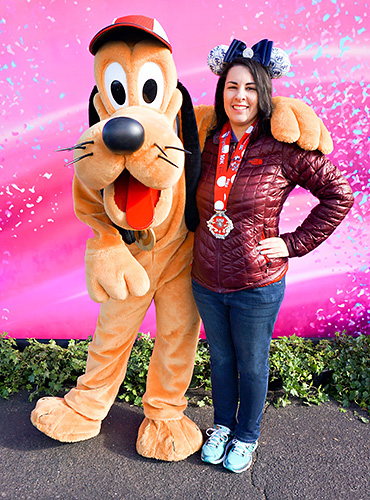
x: 169, y: 440
x: 56, y: 419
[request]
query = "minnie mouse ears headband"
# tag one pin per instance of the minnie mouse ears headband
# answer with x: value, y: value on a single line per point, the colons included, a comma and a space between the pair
x: 275, y: 59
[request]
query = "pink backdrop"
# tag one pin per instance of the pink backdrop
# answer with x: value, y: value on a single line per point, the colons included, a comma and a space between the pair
x: 46, y: 75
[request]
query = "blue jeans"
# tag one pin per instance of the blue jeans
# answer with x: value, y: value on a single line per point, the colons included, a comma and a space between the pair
x: 239, y: 327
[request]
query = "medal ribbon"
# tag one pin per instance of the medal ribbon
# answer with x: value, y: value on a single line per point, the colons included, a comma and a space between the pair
x: 225, y: 174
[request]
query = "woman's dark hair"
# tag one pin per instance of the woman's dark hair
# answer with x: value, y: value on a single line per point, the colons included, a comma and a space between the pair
x: 263, y: 83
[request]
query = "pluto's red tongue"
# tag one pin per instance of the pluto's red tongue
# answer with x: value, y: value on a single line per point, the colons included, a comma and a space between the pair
x: 137, y: 200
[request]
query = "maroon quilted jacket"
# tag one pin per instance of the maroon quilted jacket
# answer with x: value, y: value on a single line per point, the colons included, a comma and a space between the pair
x: 267, y: 174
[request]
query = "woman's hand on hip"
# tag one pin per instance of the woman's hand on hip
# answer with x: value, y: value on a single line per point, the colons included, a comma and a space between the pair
x: 273, y: 248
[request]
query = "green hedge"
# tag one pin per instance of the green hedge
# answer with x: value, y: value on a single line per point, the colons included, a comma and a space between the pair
x: 312, y: 371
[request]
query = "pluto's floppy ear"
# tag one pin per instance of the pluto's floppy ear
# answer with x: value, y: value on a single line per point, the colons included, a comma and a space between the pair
x: 93, y: 115
x: 193, y: 166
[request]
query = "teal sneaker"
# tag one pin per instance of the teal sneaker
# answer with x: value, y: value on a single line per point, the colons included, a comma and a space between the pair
x: 239, y: 456
x: 215, y: 448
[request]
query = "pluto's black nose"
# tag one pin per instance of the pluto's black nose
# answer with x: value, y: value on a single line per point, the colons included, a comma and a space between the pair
x: 123, y: 135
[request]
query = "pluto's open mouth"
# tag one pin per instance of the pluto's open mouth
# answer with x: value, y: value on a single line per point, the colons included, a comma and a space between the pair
x: 136, y: 200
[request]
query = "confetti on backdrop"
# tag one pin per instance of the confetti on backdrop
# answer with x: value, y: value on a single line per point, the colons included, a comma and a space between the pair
x: 46, y: 75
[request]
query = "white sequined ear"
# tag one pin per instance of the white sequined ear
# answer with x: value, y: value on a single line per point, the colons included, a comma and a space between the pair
x: 279, y: 63
x: 216, y: 58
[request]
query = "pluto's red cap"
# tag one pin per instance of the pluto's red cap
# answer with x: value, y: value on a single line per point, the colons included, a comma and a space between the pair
x: 143, y: 23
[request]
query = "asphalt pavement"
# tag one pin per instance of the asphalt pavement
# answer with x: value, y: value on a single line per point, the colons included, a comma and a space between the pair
x: 305, y: 453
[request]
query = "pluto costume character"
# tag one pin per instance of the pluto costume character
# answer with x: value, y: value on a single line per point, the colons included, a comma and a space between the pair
x: 130, y: 189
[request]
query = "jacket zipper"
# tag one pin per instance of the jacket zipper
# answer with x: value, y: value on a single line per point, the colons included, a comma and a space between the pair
x: 267, y: 260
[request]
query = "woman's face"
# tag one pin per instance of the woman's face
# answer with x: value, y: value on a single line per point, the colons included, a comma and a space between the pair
x: 240, y: 99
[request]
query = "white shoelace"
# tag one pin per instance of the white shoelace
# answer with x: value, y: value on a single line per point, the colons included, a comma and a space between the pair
x: 216, y: 436
x: 241, y: 448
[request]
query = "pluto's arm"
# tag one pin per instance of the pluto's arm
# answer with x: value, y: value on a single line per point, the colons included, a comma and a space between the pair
x: 111, y: 269
x: 294, y: 121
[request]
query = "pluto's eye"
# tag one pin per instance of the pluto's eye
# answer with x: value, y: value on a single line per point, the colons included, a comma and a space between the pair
x: 118, y: 92
x: 116, y: 85
x: 150, y: 91
x: 151, y: 85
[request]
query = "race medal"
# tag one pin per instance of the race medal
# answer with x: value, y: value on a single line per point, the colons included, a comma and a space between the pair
x: 220, y: 225
x: 145, y: 240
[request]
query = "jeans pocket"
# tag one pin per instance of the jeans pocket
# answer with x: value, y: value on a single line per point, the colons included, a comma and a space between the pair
x: 269, y: 294
x: 275, y: 291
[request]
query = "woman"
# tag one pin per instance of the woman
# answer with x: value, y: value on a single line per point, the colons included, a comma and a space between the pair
x: 240, y: 260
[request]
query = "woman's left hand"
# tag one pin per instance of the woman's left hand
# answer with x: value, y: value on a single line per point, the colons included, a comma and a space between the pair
x: 273, y: 248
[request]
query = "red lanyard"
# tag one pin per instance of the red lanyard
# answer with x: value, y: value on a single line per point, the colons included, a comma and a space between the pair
x: 225, y: 175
